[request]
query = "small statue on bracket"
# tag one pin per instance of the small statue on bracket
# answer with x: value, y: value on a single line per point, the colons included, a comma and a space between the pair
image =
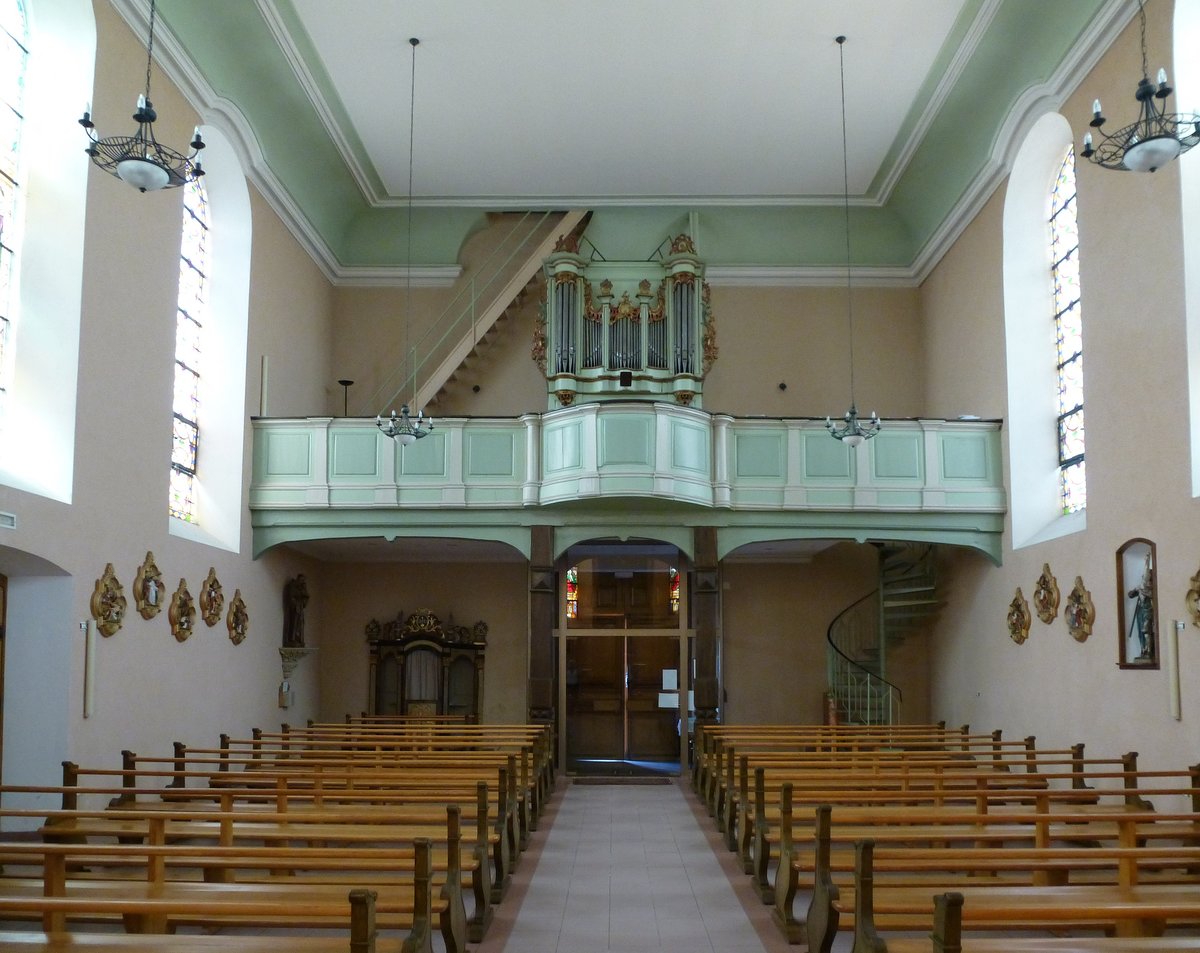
x: 295, y: 599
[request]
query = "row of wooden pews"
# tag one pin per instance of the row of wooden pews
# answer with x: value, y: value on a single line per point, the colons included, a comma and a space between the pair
x: 1027, y: 838
x: 390, y: 825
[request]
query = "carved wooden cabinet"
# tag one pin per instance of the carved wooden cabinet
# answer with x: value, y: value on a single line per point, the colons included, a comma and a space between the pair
x: 420, y: 665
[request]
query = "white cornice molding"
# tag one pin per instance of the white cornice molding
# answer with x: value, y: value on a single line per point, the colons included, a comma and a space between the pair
x: 803, y: 276
x: 214, y: 109
x: 1080, y: 60
x: 958, y: 63
x: 388, y: 276
x: 270, y: 14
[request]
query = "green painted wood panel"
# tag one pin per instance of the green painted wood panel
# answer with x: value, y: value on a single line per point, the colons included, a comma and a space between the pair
x: 354, y: 454
x: 288, y: 454
x: 426, y: 457
x: 689, y: 447
x: 561, y: 447
x: 759, y: 455
x: 965, y: 456
x: 898, y: 456
x: 826, y: 458
x: 490, y: 455
x: 624, y: 440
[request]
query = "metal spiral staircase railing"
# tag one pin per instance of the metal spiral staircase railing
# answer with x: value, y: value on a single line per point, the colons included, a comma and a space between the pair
x: 860, y: 636
x: 859, y: 693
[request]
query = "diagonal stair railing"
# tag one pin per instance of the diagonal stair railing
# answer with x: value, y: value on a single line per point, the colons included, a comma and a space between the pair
x: 478, y: 304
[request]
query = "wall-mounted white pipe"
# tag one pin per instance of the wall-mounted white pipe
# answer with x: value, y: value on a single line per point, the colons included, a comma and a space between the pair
x: 89, y: 669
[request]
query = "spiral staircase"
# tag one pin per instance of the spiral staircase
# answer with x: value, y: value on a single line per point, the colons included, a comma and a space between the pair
x: 861, y: 637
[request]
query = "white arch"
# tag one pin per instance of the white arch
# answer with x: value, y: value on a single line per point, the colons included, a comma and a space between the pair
x: 40, y: 416
x: 223, y: 372
x: 1034, y: 503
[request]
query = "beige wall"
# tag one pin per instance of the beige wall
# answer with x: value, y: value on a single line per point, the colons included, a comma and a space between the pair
x: 800, y: 337
x: 149, y: 688
x: 1137, y: 452
x: 496, y: 594
x: 774, y: 620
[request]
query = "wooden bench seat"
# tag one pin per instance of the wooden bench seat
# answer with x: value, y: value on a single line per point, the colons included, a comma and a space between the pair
x: 464, y: 864
x: 357, y: 907
x: 1125, y: 906
x: 1127, y: 910
x: 947, y: 937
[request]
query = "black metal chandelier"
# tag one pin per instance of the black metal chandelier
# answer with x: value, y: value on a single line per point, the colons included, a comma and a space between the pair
x: 854, y: 431
x: 1155, y: 138
x: 140, y: 159
x: 405, y: 428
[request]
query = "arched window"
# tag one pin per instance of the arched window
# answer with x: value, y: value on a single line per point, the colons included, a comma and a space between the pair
x: 1068, y: 334
x: 190, y: 316
x: 1041, y: 283
x: 14, y: 39
x: 210, y: 384
x: 43, y: 231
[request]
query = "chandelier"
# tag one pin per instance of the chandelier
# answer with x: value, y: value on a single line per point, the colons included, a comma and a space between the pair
x: 1155, y: 138
x: 403, y: 427
x: 140, y: 159
x: 853, y: 431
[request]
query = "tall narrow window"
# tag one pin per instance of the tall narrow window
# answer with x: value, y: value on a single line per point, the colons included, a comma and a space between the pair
x: 1068, y: 328
x: 189, y: 331
x: 14, y: 56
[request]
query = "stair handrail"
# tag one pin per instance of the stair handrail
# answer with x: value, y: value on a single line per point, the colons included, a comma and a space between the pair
x: 870, y: 676
x: 474, y: 295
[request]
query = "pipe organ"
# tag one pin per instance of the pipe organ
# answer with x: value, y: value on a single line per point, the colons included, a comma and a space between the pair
x: 641, y: 330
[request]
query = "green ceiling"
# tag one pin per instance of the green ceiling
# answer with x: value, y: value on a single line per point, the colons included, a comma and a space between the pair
x: 233, y: 48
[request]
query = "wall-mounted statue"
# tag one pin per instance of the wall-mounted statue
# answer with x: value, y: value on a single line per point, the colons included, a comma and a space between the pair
x: 295, y: 599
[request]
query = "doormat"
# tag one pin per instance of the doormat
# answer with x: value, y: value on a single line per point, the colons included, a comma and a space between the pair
x: 598, y: 779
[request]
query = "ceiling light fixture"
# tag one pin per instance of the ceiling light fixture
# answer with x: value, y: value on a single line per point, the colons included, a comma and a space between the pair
x: 1155, y: 138
x: 403, y: 427
x: 140, y: 159
x: 854, y: 431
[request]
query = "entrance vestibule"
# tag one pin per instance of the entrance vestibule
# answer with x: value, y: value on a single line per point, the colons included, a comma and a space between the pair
x: 624, y: 660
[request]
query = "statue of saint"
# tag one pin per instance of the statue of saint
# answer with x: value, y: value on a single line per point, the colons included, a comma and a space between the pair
x: 295, y: 598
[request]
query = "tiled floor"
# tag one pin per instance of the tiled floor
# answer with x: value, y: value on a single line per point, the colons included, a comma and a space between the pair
x: 629, y: 868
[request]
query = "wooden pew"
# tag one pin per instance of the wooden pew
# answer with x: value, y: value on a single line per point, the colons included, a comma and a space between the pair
x: 367, y: 831
x: 947, y: 928
x: 334, y: 786
x: 1099, y: 887
x: 359, y: 908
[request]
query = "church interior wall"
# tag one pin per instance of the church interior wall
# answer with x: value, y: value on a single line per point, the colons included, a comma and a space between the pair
x: 774, y: 619
x: 1137, y: 459
x: 936, y: 351
x: 150, y: 689
x: 495, y: 593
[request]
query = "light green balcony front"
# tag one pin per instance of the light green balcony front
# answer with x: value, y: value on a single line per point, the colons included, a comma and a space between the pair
x: 631, y: 468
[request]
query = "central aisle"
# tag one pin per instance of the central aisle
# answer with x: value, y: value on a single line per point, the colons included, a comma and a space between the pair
x: 629, y: 868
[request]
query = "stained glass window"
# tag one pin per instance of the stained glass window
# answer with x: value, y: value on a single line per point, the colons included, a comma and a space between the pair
x: 573, y: 592
x: 1068, y: 331
x: 14, y: 57
x: 674, y: 589
x: 189, y: 332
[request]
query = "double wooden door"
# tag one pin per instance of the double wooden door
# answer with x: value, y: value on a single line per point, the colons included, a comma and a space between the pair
x: 622, y: 699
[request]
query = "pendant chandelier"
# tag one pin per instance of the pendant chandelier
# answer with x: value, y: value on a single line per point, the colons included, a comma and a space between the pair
x: 404, y: 427
x: 140, y: 159
x: 1155, y: 138
x: 853, y: 431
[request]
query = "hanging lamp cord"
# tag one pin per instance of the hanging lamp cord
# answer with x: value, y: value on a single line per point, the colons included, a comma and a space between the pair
x: 149, y: 51
x: 412, y: 111
x: 841, y: 40
x: 1145, y: 60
